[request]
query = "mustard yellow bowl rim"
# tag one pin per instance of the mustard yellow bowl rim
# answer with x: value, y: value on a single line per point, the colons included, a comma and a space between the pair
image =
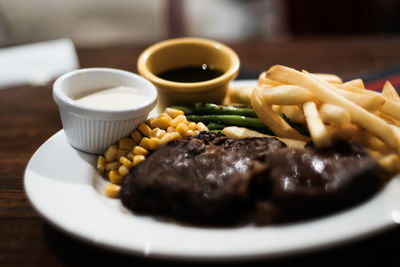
x: 229, y: 74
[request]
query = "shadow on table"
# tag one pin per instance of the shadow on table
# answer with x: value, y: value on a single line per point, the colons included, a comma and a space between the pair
x: 378, y: 250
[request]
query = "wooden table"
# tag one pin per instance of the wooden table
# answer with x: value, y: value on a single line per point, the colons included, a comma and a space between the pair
x: 29, y: 116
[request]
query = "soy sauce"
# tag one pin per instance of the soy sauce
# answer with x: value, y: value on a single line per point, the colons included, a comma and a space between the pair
x: 191, y: 74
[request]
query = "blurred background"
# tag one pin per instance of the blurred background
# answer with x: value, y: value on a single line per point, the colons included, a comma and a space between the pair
x: 92, y: 23
x: 350, y: 38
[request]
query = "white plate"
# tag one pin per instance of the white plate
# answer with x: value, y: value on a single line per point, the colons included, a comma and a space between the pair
x: 63, y: 185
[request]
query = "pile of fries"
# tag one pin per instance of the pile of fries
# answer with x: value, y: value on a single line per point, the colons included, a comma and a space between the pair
x: 330, y: 108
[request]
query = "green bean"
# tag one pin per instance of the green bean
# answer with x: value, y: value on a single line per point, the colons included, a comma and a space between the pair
x: 216, y: 126
x: 188, y: 110
x: 209, y: 108
x: 233, y: 120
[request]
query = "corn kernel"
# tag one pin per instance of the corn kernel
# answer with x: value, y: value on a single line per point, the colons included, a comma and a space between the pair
x: 101, y: 162
x: 165, y: 115
x: 182, y: 129
x: 123, y: 170
x: 110, y: 153
x: 170, y: 129
x: 169, y: 137
x: 126, y: 162
x: 138, y: 150
x: 161, y: 122
x: 157, y: 133
x: 120, y: 153
x: 130, y: 155
x: 173, y: 112
x: 115, y: 177
x: 179, y: 119
x: 150, y: 143
x: 144, y: 129
x: 126, y: 143
x: 148, y: 121
x: 112, y: 166
x: 192, y: 125
x: 138, y: 159
x: 201, y: 127
x: 196, y: 132
x: 190, y: 133
x: 112, y: 190
x: 136, y: 136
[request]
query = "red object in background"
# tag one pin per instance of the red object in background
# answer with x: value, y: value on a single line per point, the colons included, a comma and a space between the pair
x: 376, y: 80
x: 377, y: 85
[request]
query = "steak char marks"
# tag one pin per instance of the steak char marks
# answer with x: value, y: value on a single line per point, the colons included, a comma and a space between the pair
x: 215, y: 180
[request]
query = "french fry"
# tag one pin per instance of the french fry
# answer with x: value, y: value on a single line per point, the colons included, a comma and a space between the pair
x: 375, y: 154
x: 331, y: 78
x: 263, y: 80
x: 356, y: 83
x: 285, y: 95
x: 240, y: 132
x: 325, y: 92
x: 396, y: 131
x: 241, y: 95
x: 368, y: 101
x: 293, y: 112
x: 334, y: 114
x: 390, y: 163
x: 271, y: 119
x: 370, y: 141
x: 391, y: 108
x: 388, y: 119
x: 344, y: 131
x: 390, y: 93
x: 319, y: 134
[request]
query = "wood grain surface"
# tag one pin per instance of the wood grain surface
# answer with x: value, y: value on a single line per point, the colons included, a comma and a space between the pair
x: 29, y: 116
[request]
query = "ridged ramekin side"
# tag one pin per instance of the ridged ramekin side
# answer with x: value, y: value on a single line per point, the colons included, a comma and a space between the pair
x: 92, y: 135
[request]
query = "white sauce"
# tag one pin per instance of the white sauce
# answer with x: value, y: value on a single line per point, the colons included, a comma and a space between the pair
x: 114, y: 98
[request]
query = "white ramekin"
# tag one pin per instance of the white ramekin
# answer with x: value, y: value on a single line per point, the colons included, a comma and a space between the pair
x: 93, y: 129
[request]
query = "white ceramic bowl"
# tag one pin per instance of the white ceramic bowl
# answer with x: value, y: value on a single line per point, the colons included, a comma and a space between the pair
x: 92, y: 129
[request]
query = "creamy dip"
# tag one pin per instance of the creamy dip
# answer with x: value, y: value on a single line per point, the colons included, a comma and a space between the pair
x: 115, y: 97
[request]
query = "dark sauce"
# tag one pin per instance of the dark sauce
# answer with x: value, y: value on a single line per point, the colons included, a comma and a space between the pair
x: 191, y: 74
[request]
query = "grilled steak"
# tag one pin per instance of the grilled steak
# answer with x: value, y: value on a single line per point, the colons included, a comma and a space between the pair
x: 210, y: 179
x: 313, y: 182
x: 202, y: 179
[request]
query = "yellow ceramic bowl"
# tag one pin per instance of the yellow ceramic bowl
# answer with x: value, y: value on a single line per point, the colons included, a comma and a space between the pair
x: 188, y: 52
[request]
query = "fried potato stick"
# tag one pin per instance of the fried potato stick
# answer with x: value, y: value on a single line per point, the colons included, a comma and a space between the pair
x: 241, y: 95
x: 240, y: 132
x: 390, y: 93
x: 286, y: 95
x: 334, y: 114
x: 369, y: 101
x: 272, y: 119
x: 356, y: 83
x: 325, y: 92
x: 331, y: 78
x: 319, y: 134
x: 293, y: 112
x: 263, y: 80
x: 344, y: 131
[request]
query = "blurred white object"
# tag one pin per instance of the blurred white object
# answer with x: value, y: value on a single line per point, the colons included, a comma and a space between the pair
x: 36, y: 64
x: 236, y: 20
x: 87, y: 23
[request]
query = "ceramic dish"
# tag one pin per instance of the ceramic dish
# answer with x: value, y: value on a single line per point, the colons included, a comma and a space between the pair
x: 68, y: 192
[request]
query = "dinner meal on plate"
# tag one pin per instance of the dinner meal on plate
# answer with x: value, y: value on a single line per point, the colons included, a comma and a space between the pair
x: 296, y: 146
